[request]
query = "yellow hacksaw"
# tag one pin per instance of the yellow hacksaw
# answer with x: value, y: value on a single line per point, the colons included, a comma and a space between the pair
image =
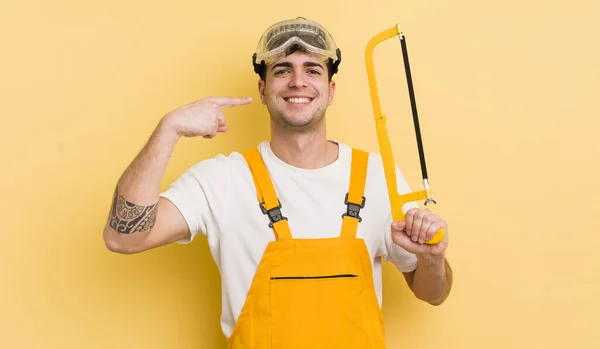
x: 397, y: 200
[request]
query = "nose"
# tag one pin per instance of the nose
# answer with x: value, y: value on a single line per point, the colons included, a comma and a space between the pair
x: 297, y: 80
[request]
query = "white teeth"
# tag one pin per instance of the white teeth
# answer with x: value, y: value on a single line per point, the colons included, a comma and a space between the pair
x: 298, y: 100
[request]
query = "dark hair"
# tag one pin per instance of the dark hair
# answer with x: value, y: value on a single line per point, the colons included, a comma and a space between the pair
x: 332, y: 68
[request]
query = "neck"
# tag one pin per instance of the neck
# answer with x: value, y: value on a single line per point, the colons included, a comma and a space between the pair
x: 307, y: 150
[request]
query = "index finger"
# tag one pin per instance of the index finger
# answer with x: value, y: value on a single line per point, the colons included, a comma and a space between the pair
x: 232, y: 101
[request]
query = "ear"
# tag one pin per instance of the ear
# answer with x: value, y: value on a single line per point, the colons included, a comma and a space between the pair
x: 261, y: 91
x: 331, y: 91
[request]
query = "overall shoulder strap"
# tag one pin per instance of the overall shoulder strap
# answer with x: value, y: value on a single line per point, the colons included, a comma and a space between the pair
x: 267, y: 198
x: 354, y: 199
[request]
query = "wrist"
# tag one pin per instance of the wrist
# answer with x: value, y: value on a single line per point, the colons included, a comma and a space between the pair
x: 168, y: 128
x: 431, y: 260
x: 165, y: 135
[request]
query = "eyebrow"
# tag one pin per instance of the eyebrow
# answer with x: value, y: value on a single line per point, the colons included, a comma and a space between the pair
x: 289, y: 65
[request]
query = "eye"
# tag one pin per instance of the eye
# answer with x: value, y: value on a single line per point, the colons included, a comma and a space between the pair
x: 281, y: 71
x: 314, y: 71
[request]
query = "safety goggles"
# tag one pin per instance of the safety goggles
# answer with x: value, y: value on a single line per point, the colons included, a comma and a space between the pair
x: 279, y: 37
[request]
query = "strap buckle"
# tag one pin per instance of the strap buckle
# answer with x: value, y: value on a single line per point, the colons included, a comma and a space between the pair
x: 353, y: 209
x: 274, y: 214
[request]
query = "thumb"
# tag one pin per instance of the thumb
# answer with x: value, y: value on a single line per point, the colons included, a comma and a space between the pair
x: 398, y: 225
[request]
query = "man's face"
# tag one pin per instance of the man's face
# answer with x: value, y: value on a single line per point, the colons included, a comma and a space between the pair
x: 297, y: 90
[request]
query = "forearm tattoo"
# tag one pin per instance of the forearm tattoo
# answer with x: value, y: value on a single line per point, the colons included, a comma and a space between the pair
x: 129, y: 218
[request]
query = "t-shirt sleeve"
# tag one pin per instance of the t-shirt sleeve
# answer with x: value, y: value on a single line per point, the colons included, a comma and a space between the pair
x: 190, y: 193
x: 403, y: 260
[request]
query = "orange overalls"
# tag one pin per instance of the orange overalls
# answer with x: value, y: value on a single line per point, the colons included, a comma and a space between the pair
x: 311, y: 293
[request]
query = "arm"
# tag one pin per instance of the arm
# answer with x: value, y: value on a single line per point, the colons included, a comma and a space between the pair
x: 431, y: 281
x: 139, y: 218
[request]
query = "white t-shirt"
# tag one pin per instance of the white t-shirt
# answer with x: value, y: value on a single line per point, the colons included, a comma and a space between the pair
x: 217, y: 197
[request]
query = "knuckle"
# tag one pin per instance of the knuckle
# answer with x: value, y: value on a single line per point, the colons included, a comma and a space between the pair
x: 431, y: 232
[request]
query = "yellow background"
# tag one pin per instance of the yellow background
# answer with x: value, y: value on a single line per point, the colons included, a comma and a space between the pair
x: 507, y: 93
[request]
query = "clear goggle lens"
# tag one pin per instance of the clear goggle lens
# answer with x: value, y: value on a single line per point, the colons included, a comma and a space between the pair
x: 281, y: 36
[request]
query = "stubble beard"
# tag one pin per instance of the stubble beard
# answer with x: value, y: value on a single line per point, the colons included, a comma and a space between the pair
x: 281, y: 120
x: 305, y: 126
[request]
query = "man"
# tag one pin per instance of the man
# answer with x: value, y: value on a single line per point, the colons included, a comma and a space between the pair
x: 297, y: 225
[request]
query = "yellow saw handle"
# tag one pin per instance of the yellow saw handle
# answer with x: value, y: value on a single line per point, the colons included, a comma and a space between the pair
x: 396, y: 200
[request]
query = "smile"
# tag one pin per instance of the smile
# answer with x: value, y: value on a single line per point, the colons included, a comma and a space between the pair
x: 298, y: 100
